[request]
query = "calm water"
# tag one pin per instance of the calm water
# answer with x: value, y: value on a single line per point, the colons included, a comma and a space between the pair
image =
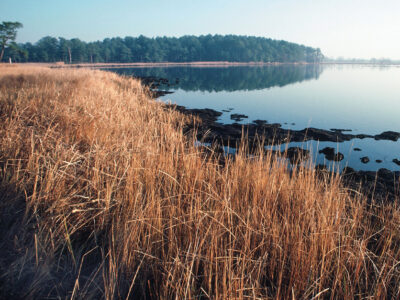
x: 364, y: 99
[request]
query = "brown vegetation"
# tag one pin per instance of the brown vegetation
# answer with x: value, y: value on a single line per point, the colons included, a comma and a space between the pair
x: 103, y: 196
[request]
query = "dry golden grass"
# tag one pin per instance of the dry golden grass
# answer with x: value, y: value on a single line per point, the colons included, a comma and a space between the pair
x: 102, y: 196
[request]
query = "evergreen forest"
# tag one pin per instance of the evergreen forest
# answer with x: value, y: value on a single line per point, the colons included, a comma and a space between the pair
x: 230, y: 48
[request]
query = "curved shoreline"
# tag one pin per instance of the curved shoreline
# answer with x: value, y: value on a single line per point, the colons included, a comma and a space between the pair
x: 177, y: 64
x: 195, y: 64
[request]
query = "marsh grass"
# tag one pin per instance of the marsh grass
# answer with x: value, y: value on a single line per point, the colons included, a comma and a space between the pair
x: 103, y: 196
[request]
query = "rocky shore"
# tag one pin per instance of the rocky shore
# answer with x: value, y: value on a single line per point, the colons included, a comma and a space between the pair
x: 383, y: 184
x: 273, y: 133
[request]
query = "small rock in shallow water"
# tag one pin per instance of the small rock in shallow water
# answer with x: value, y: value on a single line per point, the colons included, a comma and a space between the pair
x: 378, y: 161
x: 260, y: 122
x: 396, y: 161
x: 365, y: 159
x: 238, y: 117
x: 330, y: 154
x: 328, y: 151
x: 357, y: 149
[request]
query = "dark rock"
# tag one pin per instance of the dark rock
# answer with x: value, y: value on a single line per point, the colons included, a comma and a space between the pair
x: 364, y: 159
x: 340, y: 130
x: 324, y: 135
x: 152, y: 81
x: 232, y: 131
x: 380, y: 186
x: 276, y: 125
x: 238, y: 117
x: 159, y: 93
x: 154, y: 84
x: 348, y: 170
x: 378, y: 161
x: 260, y: 122
x: 296, y: 154
x: 206, y: 113
x: 396, y: 161
x: 208, y: 116
x: 388, y: 135
x: 330, y: 154
x: 385, y: 173
x: 359, y: 136
x: 357, y: 149
x: 328, y: 151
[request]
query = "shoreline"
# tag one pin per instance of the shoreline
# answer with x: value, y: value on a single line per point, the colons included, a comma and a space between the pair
x: 227, y: 134
x: 380, y: 183
x: 199, y: 64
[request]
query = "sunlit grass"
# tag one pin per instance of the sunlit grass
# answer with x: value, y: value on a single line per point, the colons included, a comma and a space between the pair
x: 103, y: 196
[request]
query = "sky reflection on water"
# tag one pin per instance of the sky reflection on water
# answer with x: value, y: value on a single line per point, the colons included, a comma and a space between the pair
x: 362, y: 98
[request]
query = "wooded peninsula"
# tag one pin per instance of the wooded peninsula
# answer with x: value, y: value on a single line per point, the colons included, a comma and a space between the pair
x: 231, y: 48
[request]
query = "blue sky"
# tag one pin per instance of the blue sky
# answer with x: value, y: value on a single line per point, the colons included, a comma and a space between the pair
x: 348, y: 28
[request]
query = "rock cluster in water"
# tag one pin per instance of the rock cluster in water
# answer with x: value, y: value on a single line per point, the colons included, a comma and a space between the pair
x: 382, y: 182
x: 273, y: 133
x: 331, y: 154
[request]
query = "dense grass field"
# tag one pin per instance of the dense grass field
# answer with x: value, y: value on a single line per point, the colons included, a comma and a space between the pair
x: 103, y: 196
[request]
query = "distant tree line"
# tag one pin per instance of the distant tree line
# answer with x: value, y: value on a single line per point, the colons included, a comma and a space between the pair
x: 162, y: 49
x: 379, y: 61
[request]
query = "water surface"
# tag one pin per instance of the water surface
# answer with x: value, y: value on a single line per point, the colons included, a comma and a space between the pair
x: 361, y: 98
